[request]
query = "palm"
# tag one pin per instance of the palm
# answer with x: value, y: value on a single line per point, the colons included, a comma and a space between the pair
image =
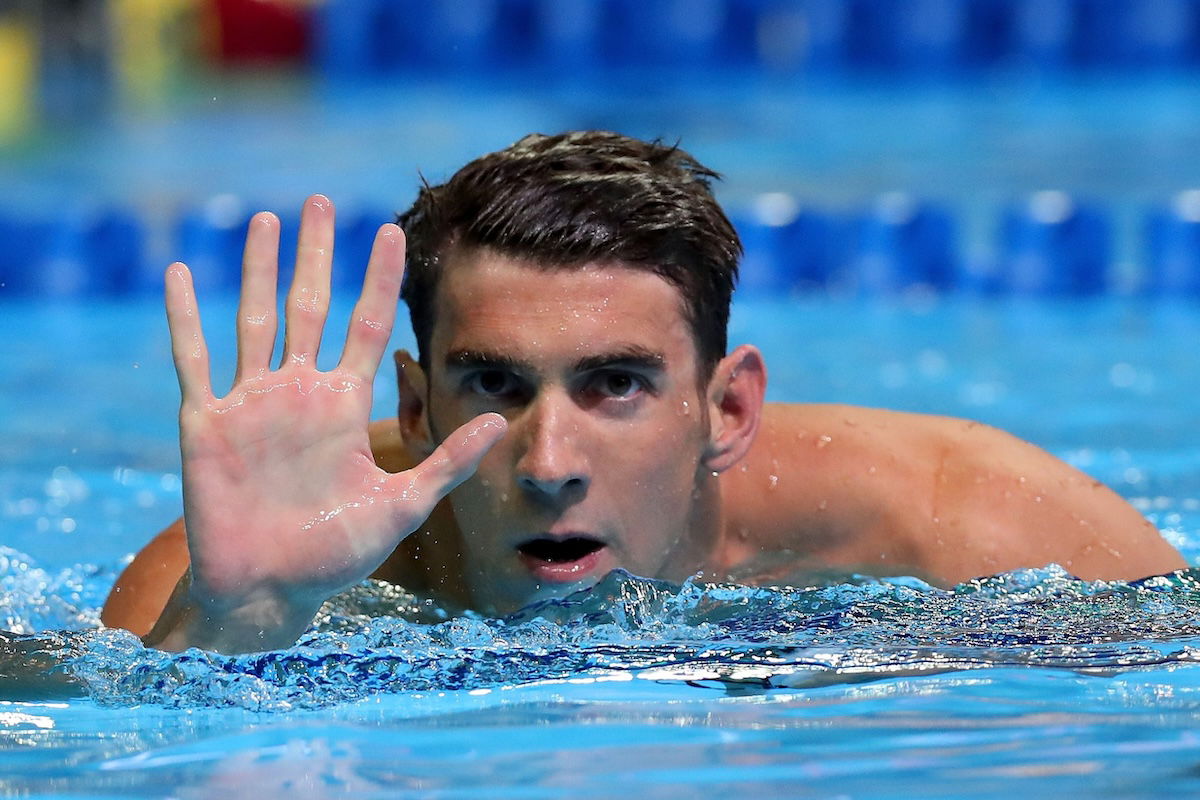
x: 266, y: 469
x: 280, y: 489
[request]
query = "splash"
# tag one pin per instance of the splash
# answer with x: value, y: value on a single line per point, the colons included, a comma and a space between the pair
x: 377, y: 638
x: 33, y: 599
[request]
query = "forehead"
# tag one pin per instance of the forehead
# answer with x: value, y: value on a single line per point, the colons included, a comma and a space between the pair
x: 488, y: 300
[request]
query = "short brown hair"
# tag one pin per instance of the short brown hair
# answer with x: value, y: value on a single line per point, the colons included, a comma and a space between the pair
x: 574, y: 198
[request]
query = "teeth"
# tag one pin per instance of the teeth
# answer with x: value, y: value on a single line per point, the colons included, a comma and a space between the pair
x: 560, y: 551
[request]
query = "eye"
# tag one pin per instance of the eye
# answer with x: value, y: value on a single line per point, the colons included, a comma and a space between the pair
x: 492, y: 383
x: 618, y: 385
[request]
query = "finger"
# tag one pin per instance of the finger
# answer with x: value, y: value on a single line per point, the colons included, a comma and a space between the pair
x: 187, y: 339
x: 308, y: 298
x: 455, y: 459
x: 257, y: 321
x: 375, y: 312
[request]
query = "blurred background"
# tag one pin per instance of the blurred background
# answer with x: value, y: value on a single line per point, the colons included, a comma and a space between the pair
x: 868, y: 146
x: 905, y: 174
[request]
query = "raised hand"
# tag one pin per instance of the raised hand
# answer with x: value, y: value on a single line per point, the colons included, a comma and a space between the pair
x: 283, y: 503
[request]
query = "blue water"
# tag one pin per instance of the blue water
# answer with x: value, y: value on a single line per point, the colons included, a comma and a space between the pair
x: 1029, y: 682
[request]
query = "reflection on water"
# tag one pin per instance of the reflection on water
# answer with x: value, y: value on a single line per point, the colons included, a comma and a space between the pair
x: 636, y: 685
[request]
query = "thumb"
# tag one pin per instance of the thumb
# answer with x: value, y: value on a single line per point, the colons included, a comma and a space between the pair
x: 455, y: 459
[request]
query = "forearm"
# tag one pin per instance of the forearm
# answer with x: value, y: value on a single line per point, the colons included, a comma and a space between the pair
x: 261, y: 621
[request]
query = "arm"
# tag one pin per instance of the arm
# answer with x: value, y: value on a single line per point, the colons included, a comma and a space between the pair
x: 1011, y: 504
x: 887, y: 492
x: 283, y: 502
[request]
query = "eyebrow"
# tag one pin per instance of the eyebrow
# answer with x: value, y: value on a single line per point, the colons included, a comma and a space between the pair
x: 633, y: 356
x: 630, y: 356
x: 479, y: 359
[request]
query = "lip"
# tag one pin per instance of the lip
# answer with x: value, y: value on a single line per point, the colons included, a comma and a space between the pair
x: 563, y: 571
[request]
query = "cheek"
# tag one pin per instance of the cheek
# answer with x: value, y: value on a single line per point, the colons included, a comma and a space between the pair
x: 489, y: 496
x: 664, y: 466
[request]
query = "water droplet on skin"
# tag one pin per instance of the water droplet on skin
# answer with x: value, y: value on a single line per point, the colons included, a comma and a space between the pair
x: 773, y: 482
x: 871, y: 470
x: 1037, y: 498
x: 824, y: 504
x: 822, y: 441
x: 687, y: 409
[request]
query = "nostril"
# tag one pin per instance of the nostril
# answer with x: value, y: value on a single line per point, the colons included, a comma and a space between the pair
x: 552, y: 486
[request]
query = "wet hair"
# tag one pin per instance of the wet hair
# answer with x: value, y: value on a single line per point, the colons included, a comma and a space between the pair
x: 563, y: 201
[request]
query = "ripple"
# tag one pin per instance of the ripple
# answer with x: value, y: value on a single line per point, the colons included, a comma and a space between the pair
x: 377, y: 638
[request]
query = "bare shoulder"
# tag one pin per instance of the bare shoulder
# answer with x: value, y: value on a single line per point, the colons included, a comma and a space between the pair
x: 943, y: 497
x: 140, y: 592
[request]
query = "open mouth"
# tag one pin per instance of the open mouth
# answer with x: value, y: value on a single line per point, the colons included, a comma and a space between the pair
x: 560, y: 551
x: 563, y: 560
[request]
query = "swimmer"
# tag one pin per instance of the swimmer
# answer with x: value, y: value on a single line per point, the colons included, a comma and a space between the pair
x: 572, y: 409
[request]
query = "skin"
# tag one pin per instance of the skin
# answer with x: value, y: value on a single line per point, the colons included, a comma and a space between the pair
x: 566, y: 402
x: 283, y: 501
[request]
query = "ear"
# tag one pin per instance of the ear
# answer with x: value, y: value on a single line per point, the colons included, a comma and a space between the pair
x: 735, y: 401
x: 413, y: 415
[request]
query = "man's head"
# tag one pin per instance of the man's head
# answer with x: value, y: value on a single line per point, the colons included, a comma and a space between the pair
x: 580, y: 198
x: 579, y: 285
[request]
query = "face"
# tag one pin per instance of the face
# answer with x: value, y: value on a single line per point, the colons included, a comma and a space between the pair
x: 596, y: 370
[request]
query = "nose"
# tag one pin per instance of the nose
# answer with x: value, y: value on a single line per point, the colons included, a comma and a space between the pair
x: 552, y: 465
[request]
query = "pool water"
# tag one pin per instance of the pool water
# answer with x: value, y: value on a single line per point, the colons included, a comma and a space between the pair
x: 1029, y: 682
